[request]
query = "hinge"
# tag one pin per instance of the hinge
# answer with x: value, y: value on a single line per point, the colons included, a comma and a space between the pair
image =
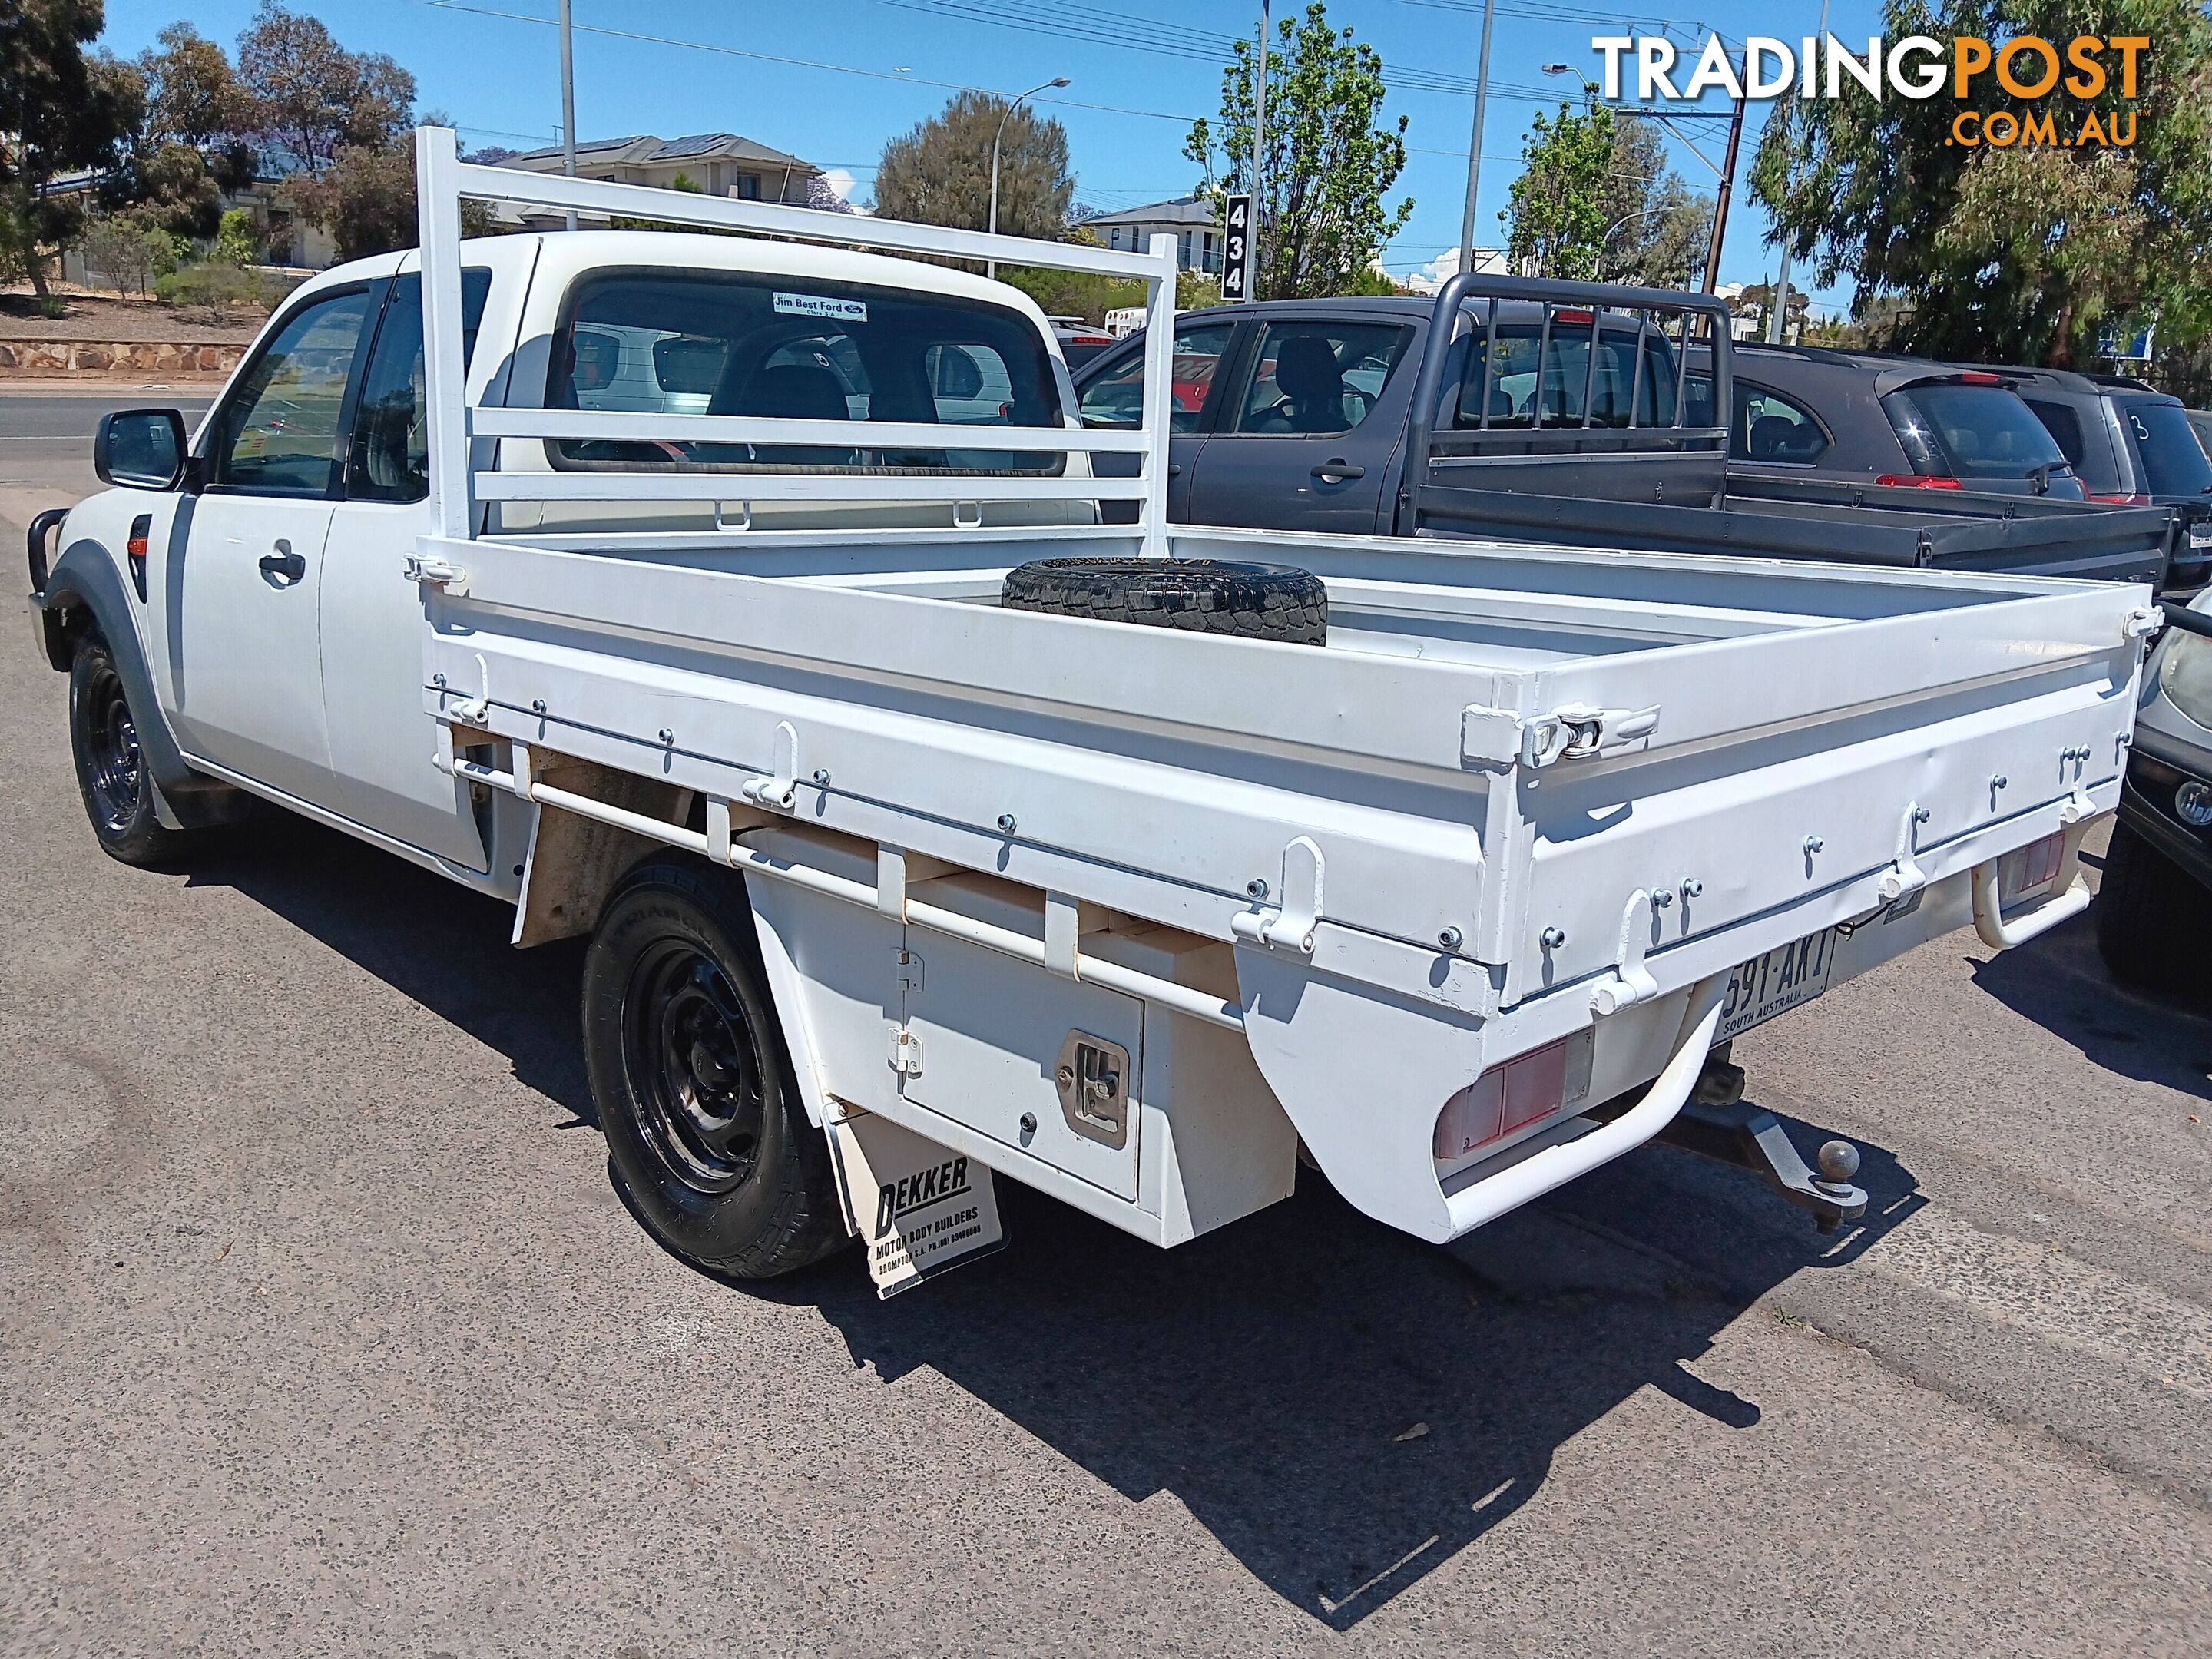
x: 909, y: 971
x: 906, y: 1052
x: 1574, y: 732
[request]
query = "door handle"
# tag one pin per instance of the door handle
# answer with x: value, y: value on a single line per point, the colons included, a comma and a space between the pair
x: 284, y: 562
x: 1338, y: 471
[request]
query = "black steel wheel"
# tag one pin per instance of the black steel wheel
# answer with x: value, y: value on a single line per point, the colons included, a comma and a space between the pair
x: 706, y: 1135
x: 111, y: 766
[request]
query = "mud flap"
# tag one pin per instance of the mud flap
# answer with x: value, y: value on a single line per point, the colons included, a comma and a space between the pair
x: 918, y: 1207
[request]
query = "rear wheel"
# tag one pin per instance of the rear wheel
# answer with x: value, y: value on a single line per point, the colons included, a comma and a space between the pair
x: 2153, y: 918
x: 111, y: 767
x: 693, y: 1086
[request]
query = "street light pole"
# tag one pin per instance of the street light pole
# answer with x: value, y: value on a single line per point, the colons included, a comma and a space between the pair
x: 1259, y: 135
x: 1474, y: 143
x: 991, y: 266
x: 568, y: 102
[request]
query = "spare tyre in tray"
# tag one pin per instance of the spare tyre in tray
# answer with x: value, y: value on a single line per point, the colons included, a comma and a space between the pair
x: 1207, y: 596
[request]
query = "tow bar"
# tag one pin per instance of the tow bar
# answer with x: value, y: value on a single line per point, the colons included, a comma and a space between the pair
x: 1717, y: 1124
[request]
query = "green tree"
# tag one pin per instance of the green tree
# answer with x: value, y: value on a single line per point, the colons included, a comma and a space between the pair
x: 305, y: 95
x: 1330, y: 161
x: 1657, y: 230
x: 940, y: 173
x: 1558, y: 215
x: 61, y: 112
x: 2020, y: 253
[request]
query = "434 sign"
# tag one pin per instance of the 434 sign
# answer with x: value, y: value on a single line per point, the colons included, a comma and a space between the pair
x: 1236, y: 250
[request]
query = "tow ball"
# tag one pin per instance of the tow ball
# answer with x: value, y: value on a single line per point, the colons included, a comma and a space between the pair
x: 1717, y: 1124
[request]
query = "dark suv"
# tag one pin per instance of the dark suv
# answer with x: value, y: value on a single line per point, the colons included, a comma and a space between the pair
x: 2132, y: 446
x: 1871, y: 417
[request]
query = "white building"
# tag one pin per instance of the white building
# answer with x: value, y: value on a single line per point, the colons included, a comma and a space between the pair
x: 716, y: 163
x: 1191, y: 220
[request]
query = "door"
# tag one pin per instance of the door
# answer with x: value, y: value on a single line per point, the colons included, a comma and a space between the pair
x: 1115, y: 397
x: 1306, y: 441
x: 245, y: 636
x: 371, y: 616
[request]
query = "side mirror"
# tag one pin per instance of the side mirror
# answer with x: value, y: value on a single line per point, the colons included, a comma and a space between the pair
x: 140, y: 448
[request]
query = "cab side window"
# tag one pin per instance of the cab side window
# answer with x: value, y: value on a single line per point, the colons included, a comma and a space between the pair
x: 1116, y: 397
x: 390, y: 456
x: 278, y: 432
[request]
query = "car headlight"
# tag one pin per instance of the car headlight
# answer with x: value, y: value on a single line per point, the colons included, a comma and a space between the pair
x: 2186, y: 676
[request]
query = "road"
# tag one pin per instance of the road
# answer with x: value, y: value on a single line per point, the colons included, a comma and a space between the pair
x: 322, y: 1332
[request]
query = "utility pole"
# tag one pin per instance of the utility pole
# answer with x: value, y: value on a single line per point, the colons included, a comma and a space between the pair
x: 1259, y: 138
x: 1778, y: 324
x: 568, y: 102
x: 1721, y: 203
x: 1474, y: 143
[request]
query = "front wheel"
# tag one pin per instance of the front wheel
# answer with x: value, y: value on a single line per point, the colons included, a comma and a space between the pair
x: 693, y: 1084
x: 2153, y: 918
x: 111, y: 767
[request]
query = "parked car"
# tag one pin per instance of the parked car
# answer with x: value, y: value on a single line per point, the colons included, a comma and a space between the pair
x: 2133, y: 445
x: 1304, y: 414
x: 1079, y: 340
x: 2154, y: 912
x: 1872, y: 418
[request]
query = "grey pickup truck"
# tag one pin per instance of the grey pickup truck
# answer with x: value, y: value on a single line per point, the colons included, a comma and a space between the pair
x: 1510, y: 409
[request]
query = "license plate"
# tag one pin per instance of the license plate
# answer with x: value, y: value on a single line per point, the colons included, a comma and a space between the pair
x: 1776, y: 983
x: 2200, y: 536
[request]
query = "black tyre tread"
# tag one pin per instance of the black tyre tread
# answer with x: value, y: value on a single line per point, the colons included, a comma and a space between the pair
x: 144, y: 843
x: 2153, y: 917
x: 1256, y: 601
x: 806, y: 1222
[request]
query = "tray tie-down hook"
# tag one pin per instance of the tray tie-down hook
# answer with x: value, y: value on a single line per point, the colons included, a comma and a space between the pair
x: 1631, y: 982
x: 779, y: 792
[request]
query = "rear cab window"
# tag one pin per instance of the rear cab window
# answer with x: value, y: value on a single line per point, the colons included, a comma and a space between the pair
x: 1518, y: 400
x: 782, y: 347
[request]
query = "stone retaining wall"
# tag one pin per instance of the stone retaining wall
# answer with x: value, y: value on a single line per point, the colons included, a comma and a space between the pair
x: 51, y: 359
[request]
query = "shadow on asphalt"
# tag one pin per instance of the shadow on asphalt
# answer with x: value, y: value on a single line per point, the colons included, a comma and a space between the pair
x: 1269, y: 1376
x: 2060, y: 983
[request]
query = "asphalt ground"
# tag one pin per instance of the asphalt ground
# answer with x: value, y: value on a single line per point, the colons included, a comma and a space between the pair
x: 323, y: 1332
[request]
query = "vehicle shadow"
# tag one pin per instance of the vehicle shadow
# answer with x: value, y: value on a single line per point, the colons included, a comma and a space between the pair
x: 442, y: 946
x: 2060, y: 983
x: 1343, y: 1406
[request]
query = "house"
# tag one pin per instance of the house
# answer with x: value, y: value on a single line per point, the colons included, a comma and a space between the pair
x: 1193, y: 221
x: 716, y: 163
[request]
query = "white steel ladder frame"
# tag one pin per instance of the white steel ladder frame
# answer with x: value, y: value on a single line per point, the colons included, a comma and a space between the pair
x: 443, y: 181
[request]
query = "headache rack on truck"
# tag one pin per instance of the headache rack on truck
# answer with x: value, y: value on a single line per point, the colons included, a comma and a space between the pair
x: 1130, y: 914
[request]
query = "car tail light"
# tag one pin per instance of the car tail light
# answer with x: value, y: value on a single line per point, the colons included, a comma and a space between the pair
x: 1574, y: 316
x: 1511, y: 1096
x: 142, y: 527
x: 1980, y: 377
x: 1900, y: 481
x: 2116, y: 501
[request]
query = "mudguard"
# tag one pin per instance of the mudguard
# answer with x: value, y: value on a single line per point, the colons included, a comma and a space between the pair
x: 86, y: 578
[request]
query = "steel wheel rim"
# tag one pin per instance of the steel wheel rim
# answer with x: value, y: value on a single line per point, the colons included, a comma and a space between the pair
x: 112, y: 748
x: 695, y: 1068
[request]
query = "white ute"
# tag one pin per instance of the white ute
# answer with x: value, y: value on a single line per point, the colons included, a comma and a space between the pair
x: 676, y: 620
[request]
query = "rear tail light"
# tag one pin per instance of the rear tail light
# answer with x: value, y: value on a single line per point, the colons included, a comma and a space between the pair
x: 1513, y: 1095
x: 1900, y: 481
x: 1574, y: 316
x: 2117, y: 501
x: 1980, y: 377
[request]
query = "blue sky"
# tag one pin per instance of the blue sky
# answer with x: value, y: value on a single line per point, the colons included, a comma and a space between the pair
x: 1140, y: 73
